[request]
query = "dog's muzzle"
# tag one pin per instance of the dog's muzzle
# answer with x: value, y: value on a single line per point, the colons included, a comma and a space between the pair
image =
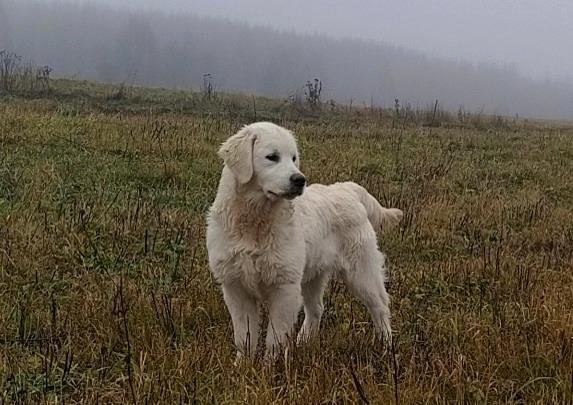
x: 297, y: 183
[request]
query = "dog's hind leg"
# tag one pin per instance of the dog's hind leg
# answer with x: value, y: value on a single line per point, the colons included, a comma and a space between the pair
x: 312, y: 293
x: 245, y: 316
x: 366, y: 281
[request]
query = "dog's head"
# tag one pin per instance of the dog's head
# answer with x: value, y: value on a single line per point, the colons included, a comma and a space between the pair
x: 264, y: 156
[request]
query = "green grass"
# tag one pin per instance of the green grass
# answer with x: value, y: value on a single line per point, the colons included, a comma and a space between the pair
x: 105, y: 292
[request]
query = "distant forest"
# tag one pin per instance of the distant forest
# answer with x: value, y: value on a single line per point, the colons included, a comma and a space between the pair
x: 177, y: 50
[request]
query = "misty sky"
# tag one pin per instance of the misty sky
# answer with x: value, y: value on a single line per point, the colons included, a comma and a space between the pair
x: 534, y: 35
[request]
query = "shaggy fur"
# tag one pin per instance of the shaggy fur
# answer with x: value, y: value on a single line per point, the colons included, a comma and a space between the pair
x: 269, y: 241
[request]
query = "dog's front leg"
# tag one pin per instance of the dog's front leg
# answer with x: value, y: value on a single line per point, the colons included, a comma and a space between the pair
x: 245, y: 316
x: 284, y: 304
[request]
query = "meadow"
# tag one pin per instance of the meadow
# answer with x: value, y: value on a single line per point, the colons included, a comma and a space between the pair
x: 106, y: 296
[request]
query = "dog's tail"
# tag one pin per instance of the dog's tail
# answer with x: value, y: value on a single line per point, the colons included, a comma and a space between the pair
x: 381, y: 218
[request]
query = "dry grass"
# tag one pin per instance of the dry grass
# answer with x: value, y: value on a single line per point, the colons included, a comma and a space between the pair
x: 105, y: 294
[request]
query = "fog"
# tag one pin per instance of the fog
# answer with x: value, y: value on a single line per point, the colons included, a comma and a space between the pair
x: 511, y: 57
x: 536, y: 35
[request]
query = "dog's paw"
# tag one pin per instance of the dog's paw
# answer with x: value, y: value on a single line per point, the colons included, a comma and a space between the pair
x: 239, y: 359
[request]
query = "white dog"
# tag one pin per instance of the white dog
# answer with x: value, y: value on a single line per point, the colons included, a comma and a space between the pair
x: 269, y: 241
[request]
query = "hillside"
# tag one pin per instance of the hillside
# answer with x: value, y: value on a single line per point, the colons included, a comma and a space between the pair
x: 106, y: 293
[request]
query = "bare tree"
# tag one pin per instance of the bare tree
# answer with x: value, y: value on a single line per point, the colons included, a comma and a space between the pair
x: 312, y: 92
x: 16, y: 76
x: 207, y: 86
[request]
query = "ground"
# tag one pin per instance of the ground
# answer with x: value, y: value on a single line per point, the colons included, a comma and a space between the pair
x: 105, y: 292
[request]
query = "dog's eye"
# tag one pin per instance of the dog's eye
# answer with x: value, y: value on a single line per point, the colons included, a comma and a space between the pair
x: 273, y: 157
x: 294, y: 158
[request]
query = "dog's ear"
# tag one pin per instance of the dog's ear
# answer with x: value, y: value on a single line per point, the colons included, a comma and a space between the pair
x: 237, y: 153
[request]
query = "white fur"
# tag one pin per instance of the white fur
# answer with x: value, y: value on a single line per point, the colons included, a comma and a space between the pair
x: 266, y: 245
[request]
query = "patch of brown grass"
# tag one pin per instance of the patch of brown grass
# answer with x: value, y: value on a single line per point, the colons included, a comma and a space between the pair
x: 105, y: 293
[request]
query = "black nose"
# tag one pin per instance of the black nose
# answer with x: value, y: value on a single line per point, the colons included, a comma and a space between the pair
x: 298, y: 180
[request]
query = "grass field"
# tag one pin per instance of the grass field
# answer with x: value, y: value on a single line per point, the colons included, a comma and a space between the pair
x: 105, y: 293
